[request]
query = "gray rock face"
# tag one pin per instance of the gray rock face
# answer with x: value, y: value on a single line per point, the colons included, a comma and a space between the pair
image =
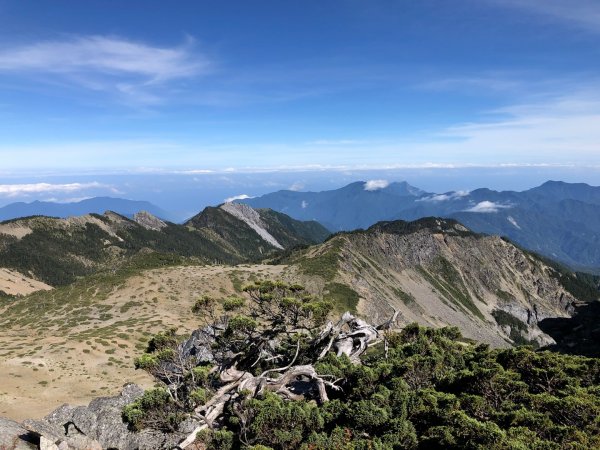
x: 13, y: 436
x: 198, y: 346
x: 251, y: 217
x: 443, y: 267
x: 99, y: 426
x: 53, y: 437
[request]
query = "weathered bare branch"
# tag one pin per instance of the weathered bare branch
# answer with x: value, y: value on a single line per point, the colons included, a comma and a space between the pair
x: 350, y: 336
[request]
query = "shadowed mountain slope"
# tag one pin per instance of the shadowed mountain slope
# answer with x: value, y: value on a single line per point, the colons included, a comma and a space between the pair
x: 577, y: 335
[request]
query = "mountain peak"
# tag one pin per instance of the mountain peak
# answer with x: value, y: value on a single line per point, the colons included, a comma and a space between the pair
x: 562, y: 184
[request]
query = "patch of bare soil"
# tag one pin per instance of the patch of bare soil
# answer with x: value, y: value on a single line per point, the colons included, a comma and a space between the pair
x: 14, y: 229
x: 15, y: 283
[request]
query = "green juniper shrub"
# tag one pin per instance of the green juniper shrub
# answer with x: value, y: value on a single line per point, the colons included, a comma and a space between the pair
x: 432, y: 391
x: 155, y: 409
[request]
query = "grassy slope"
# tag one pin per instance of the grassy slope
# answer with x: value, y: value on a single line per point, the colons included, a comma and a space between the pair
x: 78, y: 341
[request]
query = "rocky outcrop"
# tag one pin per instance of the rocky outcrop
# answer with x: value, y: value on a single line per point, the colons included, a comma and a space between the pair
x: 436, y: 272
x: 14, y: 436
x: 198, y: 345
x: 94, y: 427
x: 149, y: 221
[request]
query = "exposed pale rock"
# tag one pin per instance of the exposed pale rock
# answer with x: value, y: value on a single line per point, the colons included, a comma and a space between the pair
x: 251, y: 218
x: 101, y: 421
x: 149, y: 221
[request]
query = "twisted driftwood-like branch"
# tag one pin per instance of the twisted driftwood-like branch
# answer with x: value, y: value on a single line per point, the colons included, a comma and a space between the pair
x: 356, y: 340
x: 350, y: 336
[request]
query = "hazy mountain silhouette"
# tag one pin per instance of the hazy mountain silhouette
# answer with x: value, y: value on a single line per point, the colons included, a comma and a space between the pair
x: 97, y: 205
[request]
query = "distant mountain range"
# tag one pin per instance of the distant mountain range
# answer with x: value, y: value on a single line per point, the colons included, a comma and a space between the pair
x: 96, y: 205
x: 59, y: 251
x: 559, y: 220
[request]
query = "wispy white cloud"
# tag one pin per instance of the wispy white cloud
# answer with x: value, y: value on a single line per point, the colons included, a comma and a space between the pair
x: 296, y: 187
x: 374, y: 185
x: 16, y: 190
x: 237, y: 197
x: 487, y: 207
x: 554, y: 129
x: 444, y: 197
x: 546, y: 131
x: 495, y: 82
x: 66, y: 200
x: 304, y: 204
x: 127, y: 68
x: 187, y: 172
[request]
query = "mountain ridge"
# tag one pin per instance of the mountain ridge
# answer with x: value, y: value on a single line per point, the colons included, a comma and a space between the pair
x: 437, y: 272
x: 433, y: 271
x: 58, y: 251
x: 557, y: 219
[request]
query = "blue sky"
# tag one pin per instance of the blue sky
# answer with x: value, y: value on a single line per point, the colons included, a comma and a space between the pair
x: 237, y: 86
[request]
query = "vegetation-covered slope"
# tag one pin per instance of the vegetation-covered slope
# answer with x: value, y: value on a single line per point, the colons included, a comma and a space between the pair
x: 437, y: 272
x: 58, y: 251
x: 265, y: 376
x: 266, y: 372
x: 432, y: 392
x: 246, y: 229
x: 290, y: 232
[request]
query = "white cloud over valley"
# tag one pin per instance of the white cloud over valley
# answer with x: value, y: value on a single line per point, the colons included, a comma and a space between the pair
x: 487, y: 207
x: 444, y: 197
x: 374, y: 185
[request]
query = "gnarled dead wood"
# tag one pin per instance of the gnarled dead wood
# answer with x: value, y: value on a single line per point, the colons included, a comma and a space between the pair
x: 354, y: 342
x: 350, y: 336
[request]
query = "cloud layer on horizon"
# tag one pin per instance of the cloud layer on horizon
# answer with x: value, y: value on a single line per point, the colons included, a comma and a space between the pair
x: 16, y: 190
